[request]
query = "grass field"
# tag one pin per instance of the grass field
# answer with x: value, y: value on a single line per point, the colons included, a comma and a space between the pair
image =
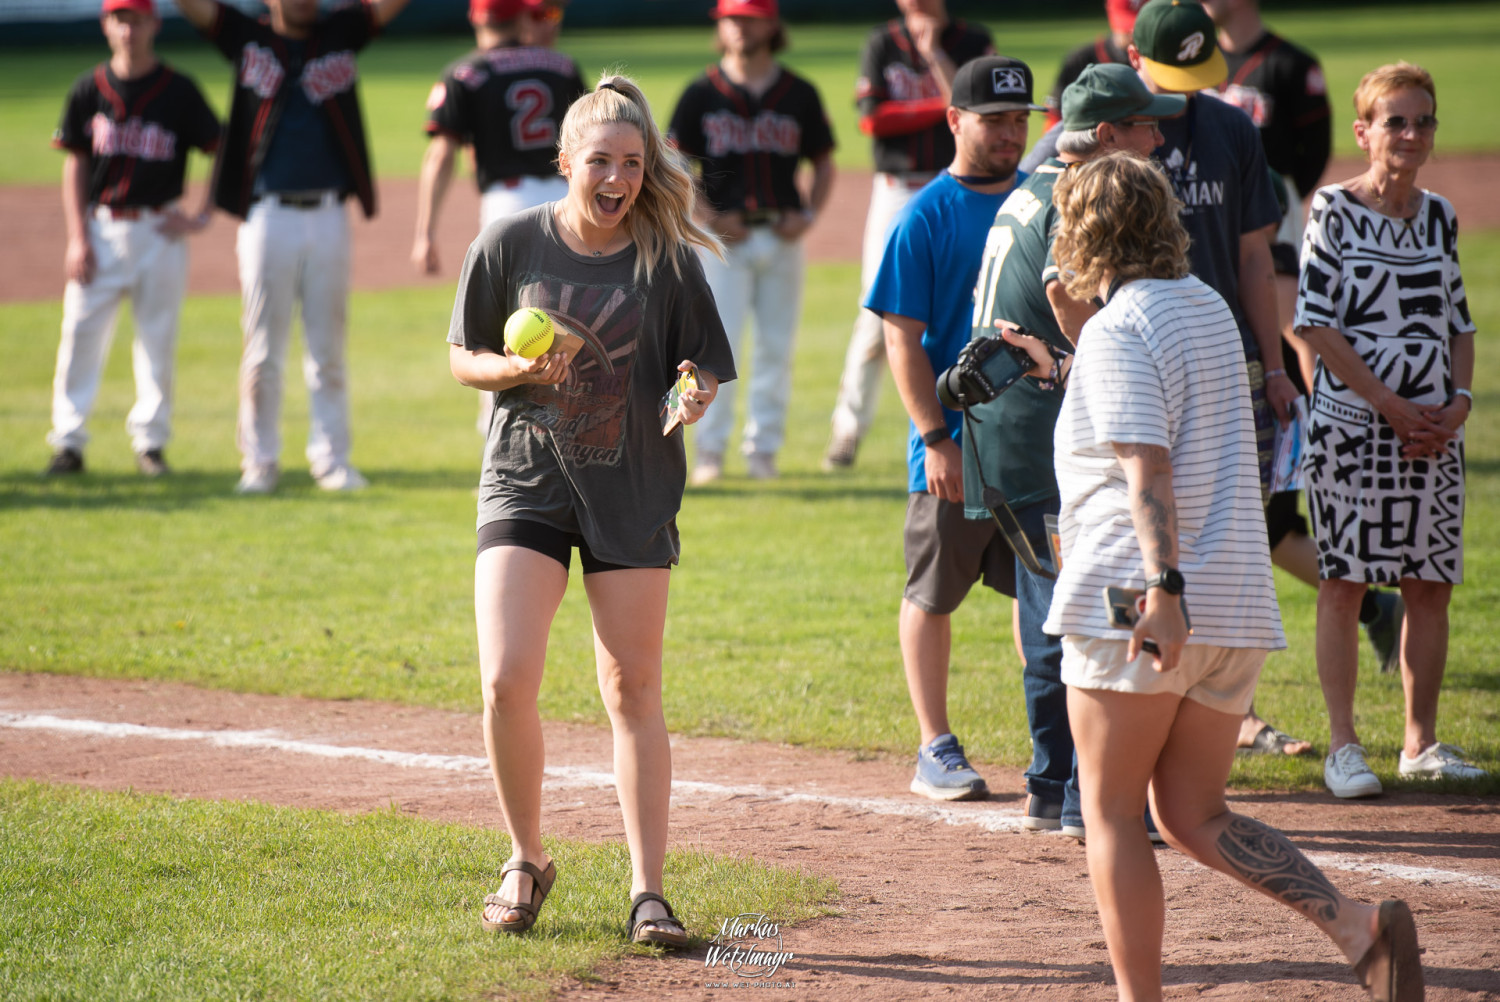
x: 1456, y: 42
x: 120, y: 896
x: 783, y: 620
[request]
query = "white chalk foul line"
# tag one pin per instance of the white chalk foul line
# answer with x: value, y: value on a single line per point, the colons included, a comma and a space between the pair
x: 561, y: 777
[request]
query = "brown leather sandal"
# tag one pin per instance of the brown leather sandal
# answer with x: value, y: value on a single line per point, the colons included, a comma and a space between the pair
x: 1391, y: 969
x: 541, y: 885
x: 641, y: 930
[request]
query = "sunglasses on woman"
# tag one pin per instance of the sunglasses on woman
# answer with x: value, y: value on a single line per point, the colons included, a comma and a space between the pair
x: 1398, y: 123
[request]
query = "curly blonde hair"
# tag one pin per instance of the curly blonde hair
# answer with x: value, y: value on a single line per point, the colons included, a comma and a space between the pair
x: 1117, y: 213
x: 661, y: 219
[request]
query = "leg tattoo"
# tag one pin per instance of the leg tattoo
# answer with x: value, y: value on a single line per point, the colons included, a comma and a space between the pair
x: 1263, y: 857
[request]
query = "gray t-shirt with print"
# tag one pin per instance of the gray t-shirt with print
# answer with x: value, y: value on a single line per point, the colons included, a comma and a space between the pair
x: 587, y: 455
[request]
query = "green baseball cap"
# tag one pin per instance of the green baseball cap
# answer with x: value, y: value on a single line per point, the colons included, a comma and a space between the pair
x: 1110, y: 92
x: 1176, y: 40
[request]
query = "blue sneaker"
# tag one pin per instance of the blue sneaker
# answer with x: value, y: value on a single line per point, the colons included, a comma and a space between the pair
x: 944, y: 774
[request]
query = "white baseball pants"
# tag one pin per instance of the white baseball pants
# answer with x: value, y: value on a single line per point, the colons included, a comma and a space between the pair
x: 864, y: 363
x: 496, y: 202
x: 761, y: 277
x: 132, y: 260
x: 288, y: 254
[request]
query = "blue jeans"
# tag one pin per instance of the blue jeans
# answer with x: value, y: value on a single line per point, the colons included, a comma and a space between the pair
x: 1053, y: 774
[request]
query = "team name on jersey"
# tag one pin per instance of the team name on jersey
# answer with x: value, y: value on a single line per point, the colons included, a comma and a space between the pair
x: 131, y: 138
x: 528, y: 59
x: 1023, y: 205
x: 903, y: 83
x: 260, y: 71
x: 767, y: 132
x: 329, y: 75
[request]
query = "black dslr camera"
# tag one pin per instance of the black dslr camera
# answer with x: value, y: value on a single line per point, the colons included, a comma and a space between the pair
x: 986, y: 368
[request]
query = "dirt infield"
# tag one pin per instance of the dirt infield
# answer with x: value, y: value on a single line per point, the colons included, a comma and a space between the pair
x: 937, y: 902
x: 31, y: 255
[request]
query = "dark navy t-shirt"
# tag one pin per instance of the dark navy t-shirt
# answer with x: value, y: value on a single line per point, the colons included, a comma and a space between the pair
x: 1213, y: 155
x: 302, y: 155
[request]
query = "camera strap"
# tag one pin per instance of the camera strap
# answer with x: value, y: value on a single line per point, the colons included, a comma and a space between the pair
x: 1004, y: 516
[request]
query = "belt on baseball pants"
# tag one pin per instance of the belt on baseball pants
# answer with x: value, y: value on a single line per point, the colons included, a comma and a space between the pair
x: 127, y: 213
x: 302, y: 199
x: 762, y: 217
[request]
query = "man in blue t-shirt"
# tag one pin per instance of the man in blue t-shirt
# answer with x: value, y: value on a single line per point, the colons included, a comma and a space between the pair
x: 923, y: 293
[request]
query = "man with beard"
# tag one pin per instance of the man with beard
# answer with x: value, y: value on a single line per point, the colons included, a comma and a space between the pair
x: 748, y: 122
x: 293, y: 151
x: 923, y: 293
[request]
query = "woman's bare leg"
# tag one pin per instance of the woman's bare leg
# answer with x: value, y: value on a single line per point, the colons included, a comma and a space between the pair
x: 630, y: 614
x: 1338, y: 656
x: 516, y: 595
x: 1424, y: 658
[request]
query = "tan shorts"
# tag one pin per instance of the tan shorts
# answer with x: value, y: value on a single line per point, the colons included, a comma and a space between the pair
x: 1221, y: 678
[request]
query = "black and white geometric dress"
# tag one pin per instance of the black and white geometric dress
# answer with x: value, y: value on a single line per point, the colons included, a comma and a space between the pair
x: 1392, y: 287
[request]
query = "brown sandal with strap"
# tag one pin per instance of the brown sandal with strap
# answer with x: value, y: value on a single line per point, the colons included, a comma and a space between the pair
x: 641, y: 931
x: 541, y: 885
x: 1391, y: 969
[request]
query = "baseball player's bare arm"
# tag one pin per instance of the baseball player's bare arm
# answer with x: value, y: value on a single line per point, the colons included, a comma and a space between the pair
x: 926, y: 32
x: 916, y: 383
x: 199, y: 13
x: 432, y: 187
x: 1258, y: 300
x: 792, y: 225
x: 78, y: 261
x: 1070, y: 313
x: 488, y: 370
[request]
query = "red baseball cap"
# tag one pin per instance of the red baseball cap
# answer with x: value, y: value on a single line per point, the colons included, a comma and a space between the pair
x: 766, y: 9
x: 139, y: 6
x: 496, y: 10
x: 1121, y: 14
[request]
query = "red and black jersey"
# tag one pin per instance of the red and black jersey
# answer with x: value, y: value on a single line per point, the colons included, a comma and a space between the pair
x: 507, y: 103
x: 1281, y: 88
x: 265, y: 69
x: 1100, y: 51
x: 900, y: 103
x: 748, y: 146
x: 136, y: 133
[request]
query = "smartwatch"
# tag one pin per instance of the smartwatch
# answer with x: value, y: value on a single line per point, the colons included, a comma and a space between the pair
x: 935, y: 436
x: 1170, y: 580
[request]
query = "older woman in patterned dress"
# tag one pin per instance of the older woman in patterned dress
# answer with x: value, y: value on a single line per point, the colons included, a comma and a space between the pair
x: 1382, y: 301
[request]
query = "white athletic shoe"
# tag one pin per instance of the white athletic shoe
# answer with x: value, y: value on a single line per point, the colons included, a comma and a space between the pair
x: 708, y: 468
x: 762, y: 466
x: 1348, y: 775
x: 258, y: 480
x: 1439, y: 761
x: 342, y: 478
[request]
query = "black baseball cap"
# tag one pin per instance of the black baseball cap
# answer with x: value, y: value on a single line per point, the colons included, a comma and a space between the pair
x: 990, y: 84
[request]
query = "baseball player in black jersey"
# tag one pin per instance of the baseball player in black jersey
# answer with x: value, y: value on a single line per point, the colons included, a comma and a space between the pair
x: 748, y: 122
x: 503, y: 100
x: 294, y: 149
x: 905, y: 82
x: 1101, y: 51
x: 127, y: 127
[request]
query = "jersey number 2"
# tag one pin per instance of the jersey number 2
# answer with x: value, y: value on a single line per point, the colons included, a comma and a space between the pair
x: 531, y: 126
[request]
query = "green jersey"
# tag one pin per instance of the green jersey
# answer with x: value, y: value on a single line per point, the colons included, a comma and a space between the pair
x: 1010, y: 440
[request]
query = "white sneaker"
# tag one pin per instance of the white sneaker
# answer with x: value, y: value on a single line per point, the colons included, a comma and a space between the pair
x: 762, y: 466
x: 258, y: 480
x: 708, y: 468
x: 1439, y: 761
x: 342, y: 478
x: 1347, y: 774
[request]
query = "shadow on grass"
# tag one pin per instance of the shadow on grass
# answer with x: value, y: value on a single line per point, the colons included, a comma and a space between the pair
x: 188, y: 488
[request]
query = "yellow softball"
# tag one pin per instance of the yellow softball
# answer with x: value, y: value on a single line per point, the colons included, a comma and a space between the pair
x: 528, y: 332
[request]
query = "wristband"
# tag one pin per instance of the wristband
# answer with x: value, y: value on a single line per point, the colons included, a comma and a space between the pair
x: 934, y: 436
x: 1274, y: 372
x: 1467, y: 395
